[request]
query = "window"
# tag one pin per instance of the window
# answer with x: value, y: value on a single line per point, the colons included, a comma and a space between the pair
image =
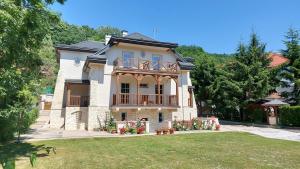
x: 124, y: 93
x: 128, y: 59
x: 156, y: 62
x: 143, y: 85
x: 161, y: 91
x: 160, y: 117
x: 123, y: 116
x: 125, y: 88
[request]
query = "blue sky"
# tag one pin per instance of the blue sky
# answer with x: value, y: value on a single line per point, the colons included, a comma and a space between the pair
x: 216, y: 25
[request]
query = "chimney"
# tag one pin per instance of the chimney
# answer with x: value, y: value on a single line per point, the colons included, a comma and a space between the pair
x: 124, y: 33
x: 107, y: 38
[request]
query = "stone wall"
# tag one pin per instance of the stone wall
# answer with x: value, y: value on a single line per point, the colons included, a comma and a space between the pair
x: 76, y: 118
x: 96, y: 117
x: 150, y: 114
x: 185, y: 113
x: 57, y: 112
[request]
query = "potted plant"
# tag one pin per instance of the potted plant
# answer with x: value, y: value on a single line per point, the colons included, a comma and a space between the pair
x: 171, y: 130
x: 122, y: 130
x: 158, y: 132
x: 113, y: 131
x: 140, y: 130
x: 218, y: 126
x: 132, y: 130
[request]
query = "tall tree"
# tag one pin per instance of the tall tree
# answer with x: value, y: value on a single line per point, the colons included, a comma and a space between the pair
x: 291, y: 73
x: 24, y: 24
x: 244, y: 80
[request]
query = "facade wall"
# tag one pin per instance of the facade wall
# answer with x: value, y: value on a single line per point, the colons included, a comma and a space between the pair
x: 69, y: 67
x: 103, y: 86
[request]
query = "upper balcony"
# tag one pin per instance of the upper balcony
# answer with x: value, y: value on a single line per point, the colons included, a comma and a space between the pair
x: 145, y: 65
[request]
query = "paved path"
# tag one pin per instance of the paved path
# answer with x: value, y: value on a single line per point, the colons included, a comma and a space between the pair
x: 284, y: 134
x: 41, y: 131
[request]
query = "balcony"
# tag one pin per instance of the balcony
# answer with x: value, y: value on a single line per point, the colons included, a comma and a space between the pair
x: 144, y: 65
x: 146, y: 100
x: 78, y: 101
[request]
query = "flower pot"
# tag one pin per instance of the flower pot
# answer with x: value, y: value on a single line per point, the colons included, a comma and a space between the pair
x: 218, y: 127
x: 165, y: 132
x: 113, y: 131
x: 158, y: 132
x: 122, y: 130
x: 171, y: 131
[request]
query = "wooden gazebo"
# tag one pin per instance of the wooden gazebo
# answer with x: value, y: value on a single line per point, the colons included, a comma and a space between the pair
x: 273, y: 106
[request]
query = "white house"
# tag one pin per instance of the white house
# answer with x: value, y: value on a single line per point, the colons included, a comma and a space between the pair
x: 130, y: 77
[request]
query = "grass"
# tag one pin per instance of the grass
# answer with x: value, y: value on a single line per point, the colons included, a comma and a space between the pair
x: 205, y: 150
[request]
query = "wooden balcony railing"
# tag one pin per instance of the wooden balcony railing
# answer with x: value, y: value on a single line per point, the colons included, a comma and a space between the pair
x: 144, y: 65
x: 128, y: 99
x: 78, y: 101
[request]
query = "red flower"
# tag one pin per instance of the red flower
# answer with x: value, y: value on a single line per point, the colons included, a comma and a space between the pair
x: 122, y: 130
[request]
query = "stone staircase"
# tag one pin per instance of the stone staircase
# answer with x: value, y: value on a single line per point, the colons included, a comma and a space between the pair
x: 42, y: 121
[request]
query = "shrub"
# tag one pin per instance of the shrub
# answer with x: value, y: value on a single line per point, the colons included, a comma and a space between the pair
x: 289, y: 115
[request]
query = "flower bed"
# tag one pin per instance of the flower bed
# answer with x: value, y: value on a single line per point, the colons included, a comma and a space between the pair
x: 211, y: 123
x: 132, y: 127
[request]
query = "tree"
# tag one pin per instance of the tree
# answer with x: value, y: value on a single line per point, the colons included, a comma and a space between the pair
x: 65, y: 33
x: 23, y: 28
x: 244, y: 80
x: 291, y: 72
x: 204, y: 74
x: 106, y: 30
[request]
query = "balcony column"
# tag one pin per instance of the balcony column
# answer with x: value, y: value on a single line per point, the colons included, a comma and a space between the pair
x: 138, y: 81
x: 118, y: 86
x: 177, y: 93
x: 158, y: 80
x: 68, y: 94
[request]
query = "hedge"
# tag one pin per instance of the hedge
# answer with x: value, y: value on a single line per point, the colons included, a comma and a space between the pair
x: 289, y: 115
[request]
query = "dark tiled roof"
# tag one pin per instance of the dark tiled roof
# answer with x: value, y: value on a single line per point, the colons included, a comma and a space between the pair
x: 84, y: 46
x: 185, y: 65
x: 139, y: 36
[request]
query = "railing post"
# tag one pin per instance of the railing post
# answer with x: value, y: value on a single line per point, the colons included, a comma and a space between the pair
x: 138, y: 80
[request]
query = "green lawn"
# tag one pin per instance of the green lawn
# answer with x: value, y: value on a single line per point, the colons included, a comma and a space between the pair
x: 204, y: 150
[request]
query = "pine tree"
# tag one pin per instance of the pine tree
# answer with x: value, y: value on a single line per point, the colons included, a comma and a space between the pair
x: 244, y: 80
x: 291, y: 73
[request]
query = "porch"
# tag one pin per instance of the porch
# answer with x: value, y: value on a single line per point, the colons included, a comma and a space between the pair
x: 77, y: 94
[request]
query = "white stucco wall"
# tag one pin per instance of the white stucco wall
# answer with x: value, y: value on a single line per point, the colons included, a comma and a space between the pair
x: 70, y: 69
x: 103, y: 86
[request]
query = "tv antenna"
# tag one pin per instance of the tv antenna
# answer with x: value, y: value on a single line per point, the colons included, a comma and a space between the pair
x: 155, y: 31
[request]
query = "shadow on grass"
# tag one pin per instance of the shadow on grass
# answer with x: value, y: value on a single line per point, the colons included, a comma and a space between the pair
x: 13, y: 151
